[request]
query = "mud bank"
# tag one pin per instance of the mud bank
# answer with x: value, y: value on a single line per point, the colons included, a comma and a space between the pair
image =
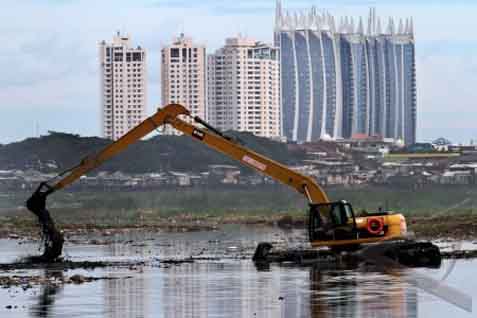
x: 462, y: 227
x: 27, y: 282
x: 66, y: 265
x: 460, y: 254
x: 450, y: 226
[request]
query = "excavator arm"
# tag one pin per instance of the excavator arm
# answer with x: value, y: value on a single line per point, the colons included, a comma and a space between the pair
x: 167, y: 115
x: 91, y: 162
x: 53, y: 239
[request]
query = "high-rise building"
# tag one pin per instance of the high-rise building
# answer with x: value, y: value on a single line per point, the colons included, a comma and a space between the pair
x: 244, y: 87
x: 184, y: 76
x: 343, y: 79
x: 123, y: 86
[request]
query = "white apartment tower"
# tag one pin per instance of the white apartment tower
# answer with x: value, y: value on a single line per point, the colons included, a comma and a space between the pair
x: 123, y: 86
x: 183, y: 76
x: 244, y: 87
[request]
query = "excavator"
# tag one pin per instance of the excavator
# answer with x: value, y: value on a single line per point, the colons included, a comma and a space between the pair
x: 330, y: 224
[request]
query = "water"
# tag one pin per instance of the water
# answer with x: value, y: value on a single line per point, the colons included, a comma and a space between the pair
x: 229, y: 286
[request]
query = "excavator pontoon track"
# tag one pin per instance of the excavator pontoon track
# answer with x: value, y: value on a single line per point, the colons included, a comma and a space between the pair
x: 405, y: 253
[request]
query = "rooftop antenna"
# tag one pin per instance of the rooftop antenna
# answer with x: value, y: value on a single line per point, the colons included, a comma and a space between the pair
x: 182, y: 29
x: 374, y: 20
x: 278, y: 15
x: 369, y: 30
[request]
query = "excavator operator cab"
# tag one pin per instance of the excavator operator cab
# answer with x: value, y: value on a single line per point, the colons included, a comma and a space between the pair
x: 332, y: 221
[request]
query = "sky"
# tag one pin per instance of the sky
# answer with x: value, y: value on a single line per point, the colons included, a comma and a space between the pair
x: 49, y: 67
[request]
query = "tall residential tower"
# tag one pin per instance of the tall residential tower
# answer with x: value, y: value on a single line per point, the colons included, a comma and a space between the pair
x: 348, y: 78
x: 123, y: 86
x: 183, y: 76
x: 244, y: 87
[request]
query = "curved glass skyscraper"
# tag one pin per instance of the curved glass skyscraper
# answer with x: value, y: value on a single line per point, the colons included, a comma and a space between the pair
x: 338, y: 80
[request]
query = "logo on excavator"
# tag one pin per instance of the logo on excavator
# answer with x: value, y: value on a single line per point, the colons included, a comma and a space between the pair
x: 254, y: 163
x: 198, y: 134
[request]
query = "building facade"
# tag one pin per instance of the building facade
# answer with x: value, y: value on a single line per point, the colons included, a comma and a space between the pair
x: 123, y: 86
x: 342, y: 79
x: 183, y: 80
x: 244, y: 87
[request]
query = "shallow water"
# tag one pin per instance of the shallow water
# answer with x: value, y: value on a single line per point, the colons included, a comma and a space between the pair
x: 229, y: 286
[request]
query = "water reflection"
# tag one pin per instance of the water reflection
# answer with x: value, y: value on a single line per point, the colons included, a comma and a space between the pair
x: 227, y: 288
x: 216, y: 290
x: 127, y: 297
x: 219, y: 290
x: 48, y: 294
x: 361, y: 294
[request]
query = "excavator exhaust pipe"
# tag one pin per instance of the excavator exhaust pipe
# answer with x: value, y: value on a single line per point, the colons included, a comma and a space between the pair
x: 52, y: 238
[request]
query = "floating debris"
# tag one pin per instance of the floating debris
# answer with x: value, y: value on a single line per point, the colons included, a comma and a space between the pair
x: 460, y: 254
x: 27, y: 282
x: 187, y: 260
x: 65, y: 264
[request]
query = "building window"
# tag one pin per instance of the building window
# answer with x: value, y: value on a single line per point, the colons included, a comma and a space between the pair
x: 137, y: 56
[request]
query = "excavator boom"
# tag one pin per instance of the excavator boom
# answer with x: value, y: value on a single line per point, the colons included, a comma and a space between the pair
x: 210, y: 137
x: 277, y: 171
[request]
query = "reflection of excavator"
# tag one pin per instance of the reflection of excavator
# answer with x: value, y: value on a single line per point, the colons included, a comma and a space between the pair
x: 332, y: 224
x: 356, y: 293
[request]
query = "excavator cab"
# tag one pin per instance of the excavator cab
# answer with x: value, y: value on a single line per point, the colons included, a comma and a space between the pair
x: 332, y: 221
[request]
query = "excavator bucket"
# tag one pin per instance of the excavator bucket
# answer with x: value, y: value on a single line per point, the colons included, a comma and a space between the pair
x: 53, y: 239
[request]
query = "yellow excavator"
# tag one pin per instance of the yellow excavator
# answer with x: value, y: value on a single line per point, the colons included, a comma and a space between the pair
x: 332, y: 224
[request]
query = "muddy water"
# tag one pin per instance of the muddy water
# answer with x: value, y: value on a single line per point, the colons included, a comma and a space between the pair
x: 226, y: 285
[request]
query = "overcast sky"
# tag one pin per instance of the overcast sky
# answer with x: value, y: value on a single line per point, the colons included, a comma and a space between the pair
x: 49, y: 71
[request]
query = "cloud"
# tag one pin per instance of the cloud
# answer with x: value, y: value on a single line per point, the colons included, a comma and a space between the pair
x: 447, y: 97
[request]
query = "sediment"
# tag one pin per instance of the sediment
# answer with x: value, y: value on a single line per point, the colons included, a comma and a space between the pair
x: 65, y: 265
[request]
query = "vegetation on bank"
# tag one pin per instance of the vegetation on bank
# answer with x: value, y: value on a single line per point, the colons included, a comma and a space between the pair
x: 433, y: 211
x: 246, y: 201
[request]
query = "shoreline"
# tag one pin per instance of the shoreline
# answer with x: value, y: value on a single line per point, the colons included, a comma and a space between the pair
x: 461, y: 227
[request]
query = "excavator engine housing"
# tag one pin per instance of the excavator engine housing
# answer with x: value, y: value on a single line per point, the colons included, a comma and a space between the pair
x: 334, y: 224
